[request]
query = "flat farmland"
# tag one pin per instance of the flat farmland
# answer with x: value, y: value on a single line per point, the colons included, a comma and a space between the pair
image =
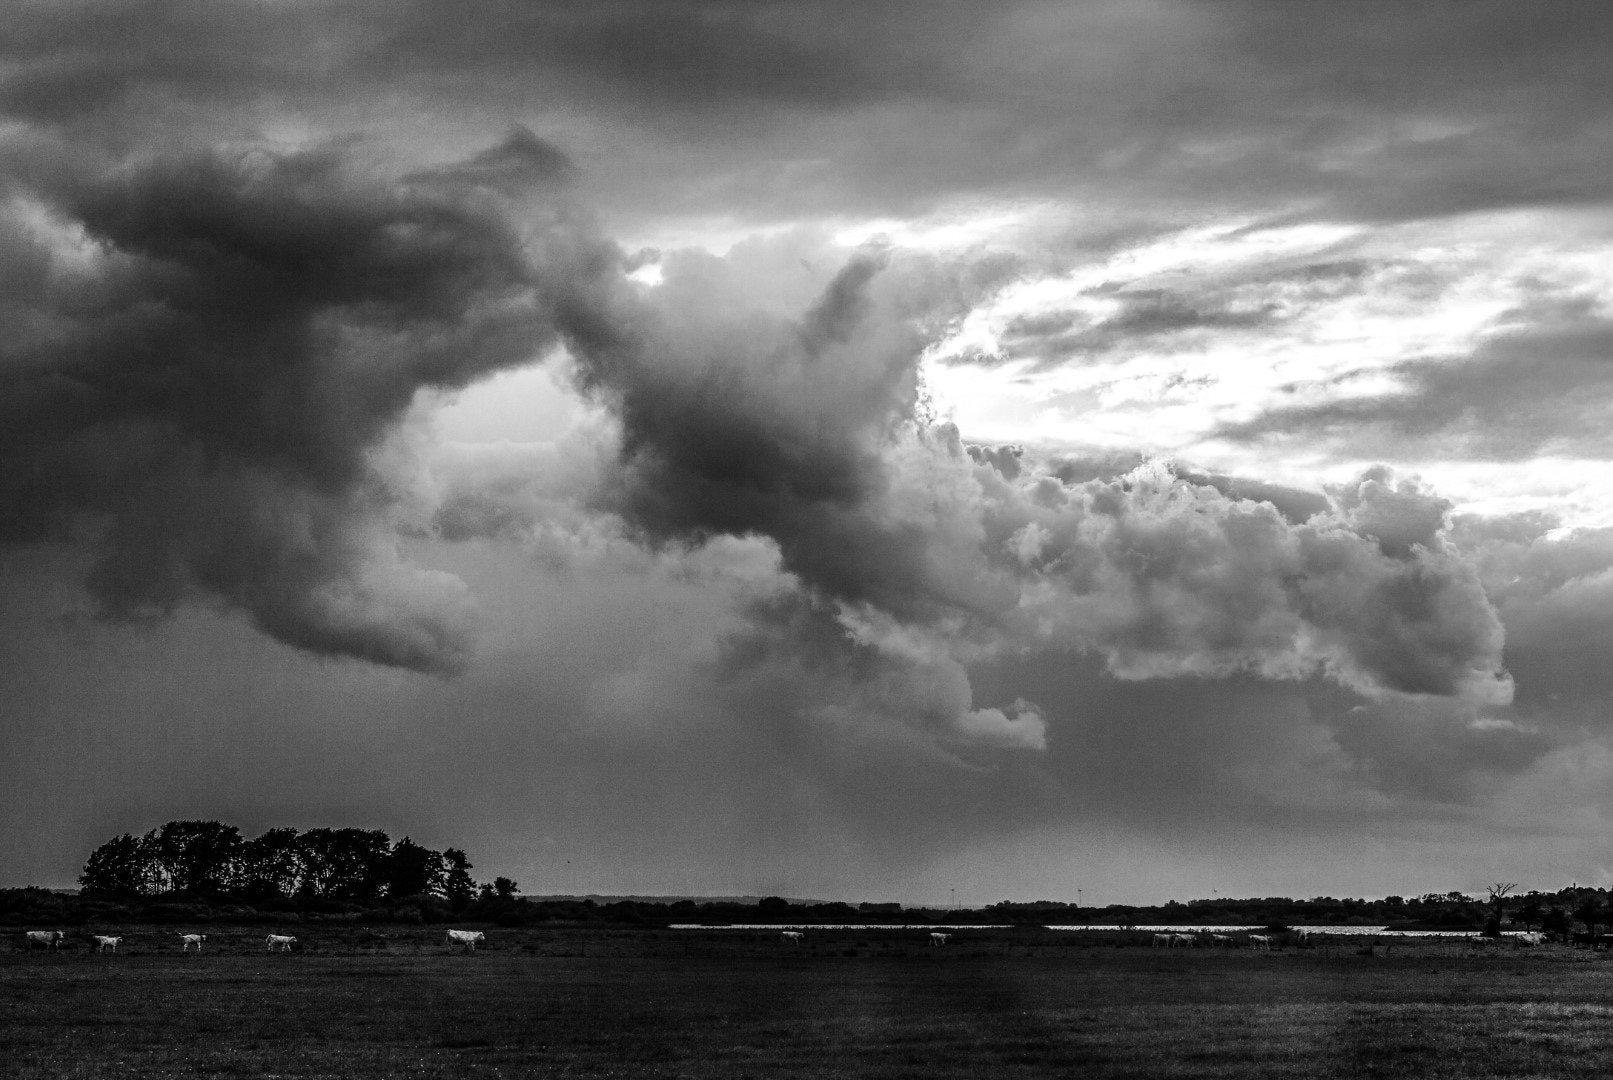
x: 845, y: 1003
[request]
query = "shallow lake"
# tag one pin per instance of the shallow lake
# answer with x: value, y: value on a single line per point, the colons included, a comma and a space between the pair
x: 1150, y: 928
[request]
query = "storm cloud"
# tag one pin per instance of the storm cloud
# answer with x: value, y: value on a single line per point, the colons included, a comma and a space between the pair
x: 835, y: 448
x: 207, y: 359
x: 803, y: 430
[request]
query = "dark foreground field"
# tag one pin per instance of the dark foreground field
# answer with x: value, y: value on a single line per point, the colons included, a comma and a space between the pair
x: 862, y: 1004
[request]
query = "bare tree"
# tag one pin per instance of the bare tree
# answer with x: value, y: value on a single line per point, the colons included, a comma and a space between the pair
x: 1498, y: 896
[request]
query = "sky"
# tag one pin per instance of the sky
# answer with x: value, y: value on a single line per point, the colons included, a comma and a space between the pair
x: 1117, y: 449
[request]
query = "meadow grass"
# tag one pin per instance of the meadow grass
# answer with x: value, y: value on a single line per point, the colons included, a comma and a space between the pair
x: 657, y: 1004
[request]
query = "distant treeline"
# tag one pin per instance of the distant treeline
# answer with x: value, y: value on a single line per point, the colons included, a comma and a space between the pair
x: 1556, y: 912
x: 207, y: 858
x: 197, y: 872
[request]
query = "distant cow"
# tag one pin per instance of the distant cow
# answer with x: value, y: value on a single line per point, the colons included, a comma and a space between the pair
x: 1260, y: 941
x: 1220, y: 941
x: 792, y: 937
x: 1186, y: 939
x: 466, y: 938
x: 278, y: 942
x: 45, y: 939
x: 939, y: 939
x: 187, y: 940
x: 106, y: 944
x: 1164, y: 940
x: 1534, y: 937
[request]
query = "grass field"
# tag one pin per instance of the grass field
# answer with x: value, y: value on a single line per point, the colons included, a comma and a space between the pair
x: 852, y: 1003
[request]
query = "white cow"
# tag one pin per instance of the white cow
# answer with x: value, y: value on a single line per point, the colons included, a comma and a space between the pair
x: 466, y: 938
x: 106, y: 944
x: 47, y: 939
x: 187, y: 940
x: 280, y: 942
x: 1534, y: 937
x: 792, y: 937
x: 1165, y: 940
x: 1260, y: 941
x: 1186, y: 939
x: 1220, y: 941
x: 939, y: 939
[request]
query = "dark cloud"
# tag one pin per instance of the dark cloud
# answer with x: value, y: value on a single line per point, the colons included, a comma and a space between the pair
x: 207, y: 352
x: 1552, y: 588
x: 1053, y: 338
x: 738, y: 421
x: 804, y: 430
x: 1181, y: 309
x: 1521, y: 393
x: 778, y: 109
x: 764, y: 589
x: 518, y: 165
x: 1436, y: 754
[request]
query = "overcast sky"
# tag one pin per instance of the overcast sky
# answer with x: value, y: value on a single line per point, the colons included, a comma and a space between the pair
x: 850, y: 450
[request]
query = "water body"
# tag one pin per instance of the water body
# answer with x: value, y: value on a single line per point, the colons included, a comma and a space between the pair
x: 834, y: 926
x: 1151, y: 928
x: 1331, y: 931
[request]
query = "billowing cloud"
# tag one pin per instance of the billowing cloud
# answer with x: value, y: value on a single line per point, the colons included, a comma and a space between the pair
x: 208, y: 355
x: 972, y: 438
x: 1552, y: 587
x: 740, y: 421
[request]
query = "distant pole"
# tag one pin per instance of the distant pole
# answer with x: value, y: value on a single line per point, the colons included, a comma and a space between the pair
x: 1078, y: 898
x: 954, y: 899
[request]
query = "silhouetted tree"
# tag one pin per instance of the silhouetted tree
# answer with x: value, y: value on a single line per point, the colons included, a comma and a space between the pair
x: 119, y: 867
x: 272, y: 864
x: 413, y: 870
x: 346, y: 864
x: 196, y: 856
x: 457, y: 885
x: 504, y: 887
x: 1590, y: 911
x: 1498, y: 896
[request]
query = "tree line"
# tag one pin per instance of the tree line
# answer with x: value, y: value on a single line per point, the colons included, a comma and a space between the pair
x: 211, y: 858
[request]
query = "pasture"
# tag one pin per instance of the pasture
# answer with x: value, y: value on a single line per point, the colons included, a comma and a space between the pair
x: 882, y: 1003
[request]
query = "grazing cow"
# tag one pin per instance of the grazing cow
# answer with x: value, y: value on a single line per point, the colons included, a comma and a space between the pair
x: 106, y: 944
x: 1260, y: 941
x: 279, y: 942
x: 1220, y: 941
x: 1165, y: 940
x: 792, y: 937
x: 45, y: 939
x: 939, y: 939
x: 465, y: 938
x: 1534, y: 937
x: 1186, y: 939
x: 187, y: 940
